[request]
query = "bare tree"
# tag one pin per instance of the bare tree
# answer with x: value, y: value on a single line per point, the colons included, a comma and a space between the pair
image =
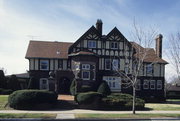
x: 174, y: 53
x: 140, y: 51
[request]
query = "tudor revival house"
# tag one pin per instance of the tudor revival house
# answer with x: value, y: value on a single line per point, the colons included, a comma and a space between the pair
x: 95, y: 57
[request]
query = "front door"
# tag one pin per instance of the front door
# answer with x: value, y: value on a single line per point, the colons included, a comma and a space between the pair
x: 64, y: 85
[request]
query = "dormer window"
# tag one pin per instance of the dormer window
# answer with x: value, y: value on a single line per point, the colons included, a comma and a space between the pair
x: 91, y: 44
x: 114, y: 45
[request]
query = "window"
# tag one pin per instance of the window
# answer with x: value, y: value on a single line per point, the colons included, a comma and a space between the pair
x: 44, y: 85
x: 138, y: 85
x: 115, y: 64
x: 149, y: 69
x: 113, y: 82
x: 44, y: 65
x: 85, y: 66
x: 114, y: 45
x: 159, y: 84
x: 107, y: 64
x: 91, y: 44
x: 146, y: 84
x: 152, y: 84
x: 86, y: 75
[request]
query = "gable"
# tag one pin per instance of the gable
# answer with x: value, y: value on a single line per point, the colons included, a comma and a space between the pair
x: 81, y: 43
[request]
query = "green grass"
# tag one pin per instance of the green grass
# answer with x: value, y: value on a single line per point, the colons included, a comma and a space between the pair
x: 26, y: 115
x: 169, y: 105
x: 139, y: 115
x: 3, y: 102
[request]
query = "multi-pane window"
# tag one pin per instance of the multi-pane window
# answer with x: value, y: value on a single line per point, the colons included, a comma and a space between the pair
x: 44, y: 65
x: 85, y: 66
x: 149, y: 69
x: 44, y: 84
x: 86, y: 75
x: 115, y: 64
x: 107, y: 64
x: 152, y: 84
x: 159, y: 84
x: 114, y: 45
x: 91, y: 44
x: 146, y: 84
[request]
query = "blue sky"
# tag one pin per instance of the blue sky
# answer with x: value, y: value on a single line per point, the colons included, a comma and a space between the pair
x: 67, y: 20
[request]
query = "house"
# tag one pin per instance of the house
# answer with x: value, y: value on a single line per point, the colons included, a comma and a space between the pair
x: 95, y: 57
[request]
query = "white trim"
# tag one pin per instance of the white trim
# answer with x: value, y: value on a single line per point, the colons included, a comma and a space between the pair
x: 46, y: 63
x: 152, y: 83
x: 113, y: 82
x: 90, y: 44
x: 85, y: 78
x: 159, y: 83
x: 106, y: 64
x: 44, y: 86
x: 86, y: 66
x: 114, y: 43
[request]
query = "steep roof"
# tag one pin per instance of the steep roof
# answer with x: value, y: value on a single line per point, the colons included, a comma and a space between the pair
x: 44, y: 49
x: 150, y: 54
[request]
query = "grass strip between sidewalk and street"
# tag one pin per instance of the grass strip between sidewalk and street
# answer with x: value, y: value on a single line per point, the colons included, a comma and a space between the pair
x: 27, y: 115
x: 139, y: 115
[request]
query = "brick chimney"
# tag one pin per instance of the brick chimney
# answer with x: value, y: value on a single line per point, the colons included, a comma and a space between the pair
x: 99, y: 26
x: 159, y: 45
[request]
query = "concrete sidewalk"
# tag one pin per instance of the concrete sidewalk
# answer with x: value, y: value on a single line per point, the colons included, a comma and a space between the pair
x: 81, y: 111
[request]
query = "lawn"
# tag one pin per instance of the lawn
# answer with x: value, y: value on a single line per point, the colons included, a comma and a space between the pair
x: 170, y: 104
x: 26, y: 115
x: 3, y: 102
x: 139, y: 115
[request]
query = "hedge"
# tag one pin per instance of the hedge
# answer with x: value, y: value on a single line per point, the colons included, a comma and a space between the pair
x: 87, y: 97
x: 32, y: 99
x: 104, y: 89
x: 121, y: 101
x: 5, y: 91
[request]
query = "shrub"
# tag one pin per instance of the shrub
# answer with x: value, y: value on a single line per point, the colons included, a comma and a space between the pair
x: 86, y: 88
x: 104, y: 89
x: 32, y: 99
x: 88, y: 97
x: 73, y: 90
x: 5, y: 91
x: 13, y: 83
x: 121, y: 101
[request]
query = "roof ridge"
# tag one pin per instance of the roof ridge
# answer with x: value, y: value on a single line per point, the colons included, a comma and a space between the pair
x: 50, y: 41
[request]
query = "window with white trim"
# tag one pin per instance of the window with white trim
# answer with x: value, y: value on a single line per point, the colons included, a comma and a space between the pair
x: 91, y: 44
x: 146, y: 84
x: 44, y: 65
x: 152, y: 84
x: 114, y: 45
x: 115, y: 64
x: 159, y: 84
x: 86, y: 66
x: 86, y: 75
x: 44, y: 84
x: 107, y: 64
x: 149, y: 68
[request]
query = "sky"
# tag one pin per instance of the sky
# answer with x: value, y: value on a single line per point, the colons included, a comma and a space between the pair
x: 67, y: 20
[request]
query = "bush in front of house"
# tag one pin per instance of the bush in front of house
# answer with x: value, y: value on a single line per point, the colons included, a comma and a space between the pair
x: 73, y: 90
x: 120, y: 101
x: 88, y: 100
x: 104, y: 89
x: 5, y: 91
x: 32, y: 99
x: 86, y: 88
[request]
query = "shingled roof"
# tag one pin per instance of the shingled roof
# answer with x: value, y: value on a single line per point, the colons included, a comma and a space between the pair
x: 45, y: 49
x: 150, y: 54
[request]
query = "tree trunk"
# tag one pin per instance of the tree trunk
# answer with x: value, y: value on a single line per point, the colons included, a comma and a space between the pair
x: 134, y: 100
